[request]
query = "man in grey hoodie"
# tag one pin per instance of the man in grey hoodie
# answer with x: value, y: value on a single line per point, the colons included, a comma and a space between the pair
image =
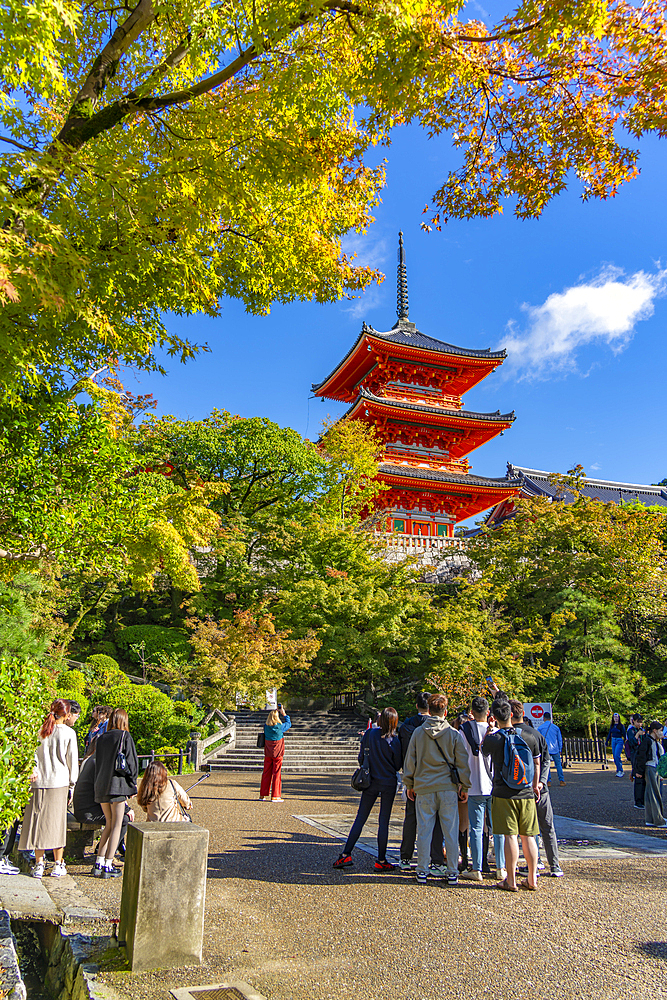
x: 435, y: 753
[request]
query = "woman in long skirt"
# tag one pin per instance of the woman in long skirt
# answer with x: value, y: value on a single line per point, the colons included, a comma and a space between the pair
x: 274, y: 750
x: 56, y: 770
x: 646, y: 765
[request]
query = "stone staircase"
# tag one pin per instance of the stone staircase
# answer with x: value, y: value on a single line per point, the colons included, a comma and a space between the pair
x: 317, y: 743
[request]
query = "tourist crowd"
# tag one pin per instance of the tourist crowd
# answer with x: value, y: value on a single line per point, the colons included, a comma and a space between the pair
x: 485, y: 779
x: 98, y: 790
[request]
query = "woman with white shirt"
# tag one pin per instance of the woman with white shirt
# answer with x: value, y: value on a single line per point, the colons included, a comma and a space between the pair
x: 56, y: 770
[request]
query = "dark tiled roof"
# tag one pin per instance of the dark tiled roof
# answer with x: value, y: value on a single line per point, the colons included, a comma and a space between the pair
x: 440, y: 475
x: 409, y: 335
x: 420, y: 408
x: 536, y: 482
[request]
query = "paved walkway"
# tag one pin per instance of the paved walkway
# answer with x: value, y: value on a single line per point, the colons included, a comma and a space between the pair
x: 279, y: 917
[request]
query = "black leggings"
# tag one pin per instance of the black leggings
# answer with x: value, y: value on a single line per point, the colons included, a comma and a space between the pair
x: 368, y: 799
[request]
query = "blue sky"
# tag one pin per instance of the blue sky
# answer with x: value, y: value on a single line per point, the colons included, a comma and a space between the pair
x: 576, y: 296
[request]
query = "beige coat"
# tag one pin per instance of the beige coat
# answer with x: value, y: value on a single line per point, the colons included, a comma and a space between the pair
x: 165, y: 809
x: 423, y: 767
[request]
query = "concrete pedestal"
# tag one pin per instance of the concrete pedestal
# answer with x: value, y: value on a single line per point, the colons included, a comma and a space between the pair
x: 164, y: 890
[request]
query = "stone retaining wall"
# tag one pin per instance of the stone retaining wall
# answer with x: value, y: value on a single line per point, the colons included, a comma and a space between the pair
x: 72, y: 967
x: 11, y: 984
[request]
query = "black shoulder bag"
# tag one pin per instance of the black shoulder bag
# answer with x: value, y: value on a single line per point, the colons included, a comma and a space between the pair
x: 121, y: 769
x: 453, y: 770
x: 361, y: 779
x: 261, y: 740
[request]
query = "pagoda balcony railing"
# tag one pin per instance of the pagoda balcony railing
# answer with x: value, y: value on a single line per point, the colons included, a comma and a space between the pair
x: 416, y: 544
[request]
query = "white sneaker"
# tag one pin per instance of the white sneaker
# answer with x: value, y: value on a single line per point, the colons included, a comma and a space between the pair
x: 473, y: 876
x: 58, y: 870
x: 38, y: 870
x: 7, y: 868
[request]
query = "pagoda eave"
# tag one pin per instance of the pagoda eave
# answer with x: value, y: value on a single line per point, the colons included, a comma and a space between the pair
x: 464, y: 368
x: 460, y: 497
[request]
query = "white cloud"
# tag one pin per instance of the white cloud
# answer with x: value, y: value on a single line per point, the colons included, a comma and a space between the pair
x: 602, y: 311
x: 595, y: 467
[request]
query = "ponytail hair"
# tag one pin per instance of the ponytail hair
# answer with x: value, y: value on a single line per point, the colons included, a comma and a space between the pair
x: 58, y: 710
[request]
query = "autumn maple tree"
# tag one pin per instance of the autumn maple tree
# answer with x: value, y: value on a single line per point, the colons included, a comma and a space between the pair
x: 158, y: 157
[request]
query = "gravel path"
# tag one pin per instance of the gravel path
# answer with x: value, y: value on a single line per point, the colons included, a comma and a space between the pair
x: 279, y: 917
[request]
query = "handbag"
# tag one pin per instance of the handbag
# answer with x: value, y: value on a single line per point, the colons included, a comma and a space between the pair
x: 361, y: 779
x: 261, y: 740
x: 185, y: 815
x: 121, y: 769
x: 453, y: 770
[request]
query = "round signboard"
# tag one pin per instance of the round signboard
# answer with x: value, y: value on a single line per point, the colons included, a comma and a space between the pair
x: 537, y: 711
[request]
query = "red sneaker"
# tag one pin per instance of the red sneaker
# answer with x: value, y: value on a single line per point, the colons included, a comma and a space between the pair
x: 384, y: 866
x: 343, y: 861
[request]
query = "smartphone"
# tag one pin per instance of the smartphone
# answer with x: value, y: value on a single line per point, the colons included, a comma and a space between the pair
x: 490, y: 682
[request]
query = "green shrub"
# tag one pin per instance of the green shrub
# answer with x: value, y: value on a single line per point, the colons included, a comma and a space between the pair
x: 156, y: 639
x: 99, y: 661
x: 23, y: 698
x: 151, y: 715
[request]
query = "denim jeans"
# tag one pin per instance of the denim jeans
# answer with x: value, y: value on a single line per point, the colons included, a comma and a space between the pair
x: 368, y: 798
x: 478, y: 807
x: 445, y: 805
x: 555, y: 757
x: 617, y: 749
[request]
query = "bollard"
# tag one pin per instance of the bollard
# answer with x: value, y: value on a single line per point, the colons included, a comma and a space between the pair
x: 164, y: 891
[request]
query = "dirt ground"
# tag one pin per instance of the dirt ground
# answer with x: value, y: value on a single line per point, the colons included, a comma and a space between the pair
x: 279, y: 917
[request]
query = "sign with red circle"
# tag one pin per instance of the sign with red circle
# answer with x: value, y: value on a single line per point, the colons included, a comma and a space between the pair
x: 535, y: 710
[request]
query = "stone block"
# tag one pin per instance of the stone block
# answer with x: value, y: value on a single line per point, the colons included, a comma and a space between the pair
x: 164, y: 891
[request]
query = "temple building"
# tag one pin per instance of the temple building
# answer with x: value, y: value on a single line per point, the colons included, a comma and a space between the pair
x: 534, y: 483
x: 409, y: 386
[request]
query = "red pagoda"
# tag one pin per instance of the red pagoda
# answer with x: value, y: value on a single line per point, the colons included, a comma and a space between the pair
x: 409, y: 387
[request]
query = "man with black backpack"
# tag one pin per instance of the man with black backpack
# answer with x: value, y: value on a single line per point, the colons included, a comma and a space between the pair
x: 516, y: 776
x: 409, y: 839
x: 479, y: 796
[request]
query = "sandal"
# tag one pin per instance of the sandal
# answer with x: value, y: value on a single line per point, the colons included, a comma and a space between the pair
x: 525, y: 884
x: 504, y: 885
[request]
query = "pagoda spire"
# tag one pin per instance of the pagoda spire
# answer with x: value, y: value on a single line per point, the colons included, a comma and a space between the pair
x: 402, y: 289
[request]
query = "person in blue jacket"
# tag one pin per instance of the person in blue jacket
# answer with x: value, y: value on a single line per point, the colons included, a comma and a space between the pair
x: 385, y: 760
x: 274, y: 751
x: 616, y: 736
x: 554, y: 738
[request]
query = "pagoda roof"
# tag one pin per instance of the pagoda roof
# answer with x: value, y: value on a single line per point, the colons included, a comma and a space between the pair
x: 410, y: 343
x: 407, y: 333
x: 441, y: 476
x: 535, y: 482
x: 440, y: 411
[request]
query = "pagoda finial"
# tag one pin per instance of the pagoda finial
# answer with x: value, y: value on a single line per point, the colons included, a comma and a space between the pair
x: 402, y: 291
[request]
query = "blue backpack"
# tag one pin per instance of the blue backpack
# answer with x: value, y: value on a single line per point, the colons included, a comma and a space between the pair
x: 518, y: 767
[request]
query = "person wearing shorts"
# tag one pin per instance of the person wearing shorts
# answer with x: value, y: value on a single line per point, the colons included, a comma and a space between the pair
x: 513, y: 811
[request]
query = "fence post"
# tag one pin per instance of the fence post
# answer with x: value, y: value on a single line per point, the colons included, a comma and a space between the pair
x: 180, y: 762
x: 152, y: 756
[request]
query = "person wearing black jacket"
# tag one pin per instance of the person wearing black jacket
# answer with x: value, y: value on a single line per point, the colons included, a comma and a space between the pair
x: 410, y: 822
x: 113, y: 786
x: 616, y: 736
x: 384, y: 762
x: 84, y: 806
